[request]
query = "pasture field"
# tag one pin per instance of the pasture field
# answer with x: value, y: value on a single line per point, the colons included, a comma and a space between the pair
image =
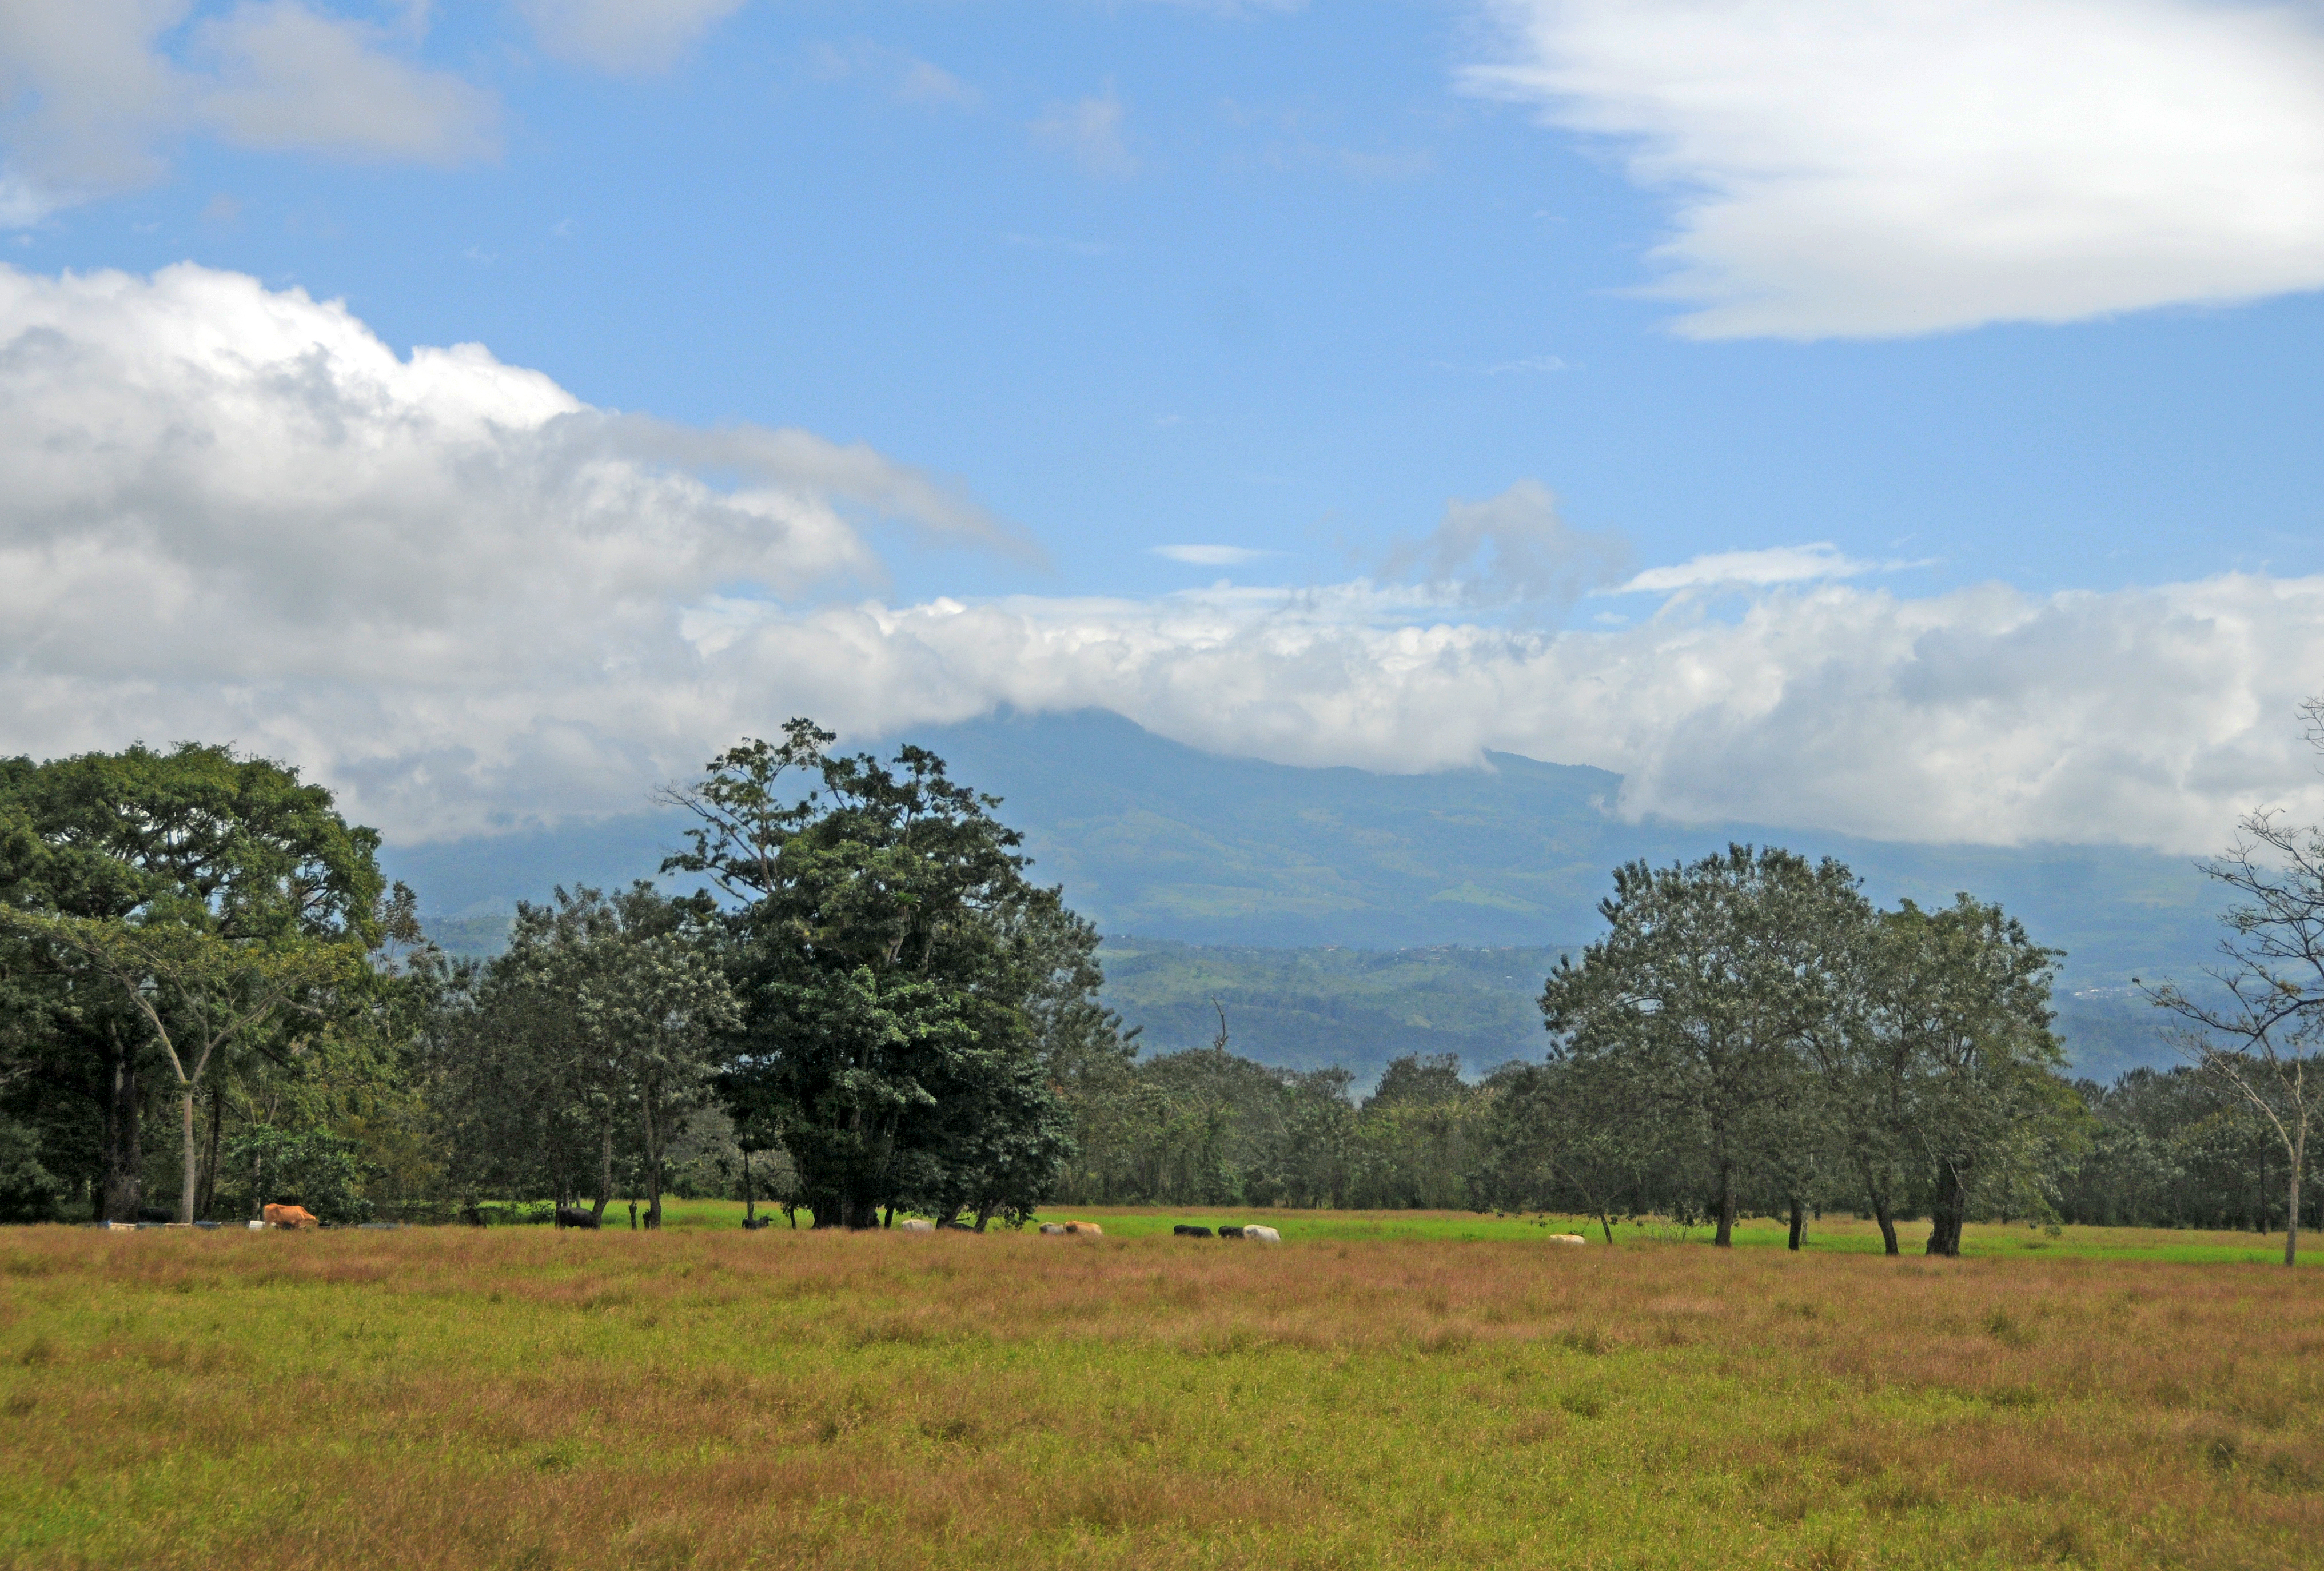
x: 1378, y: 1392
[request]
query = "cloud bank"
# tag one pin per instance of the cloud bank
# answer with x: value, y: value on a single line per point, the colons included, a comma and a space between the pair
x: 89, y: 100
x: 1839, y: 167
x: 469, y: 601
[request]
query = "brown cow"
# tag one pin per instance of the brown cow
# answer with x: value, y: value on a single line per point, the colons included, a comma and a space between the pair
x: 1091, y: 1228
x: 290, y: 1217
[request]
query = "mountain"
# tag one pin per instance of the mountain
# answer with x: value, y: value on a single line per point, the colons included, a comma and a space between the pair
x: 1348, y: 911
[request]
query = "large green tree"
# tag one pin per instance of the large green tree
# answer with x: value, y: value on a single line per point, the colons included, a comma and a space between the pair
x: 892, y: 963
x: 1958, y: 1038
x: 173, y: 908
x: 1703, y: 994
x: 593, y: 1030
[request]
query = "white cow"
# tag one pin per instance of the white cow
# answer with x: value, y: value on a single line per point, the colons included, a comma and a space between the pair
x: 1568, y: 1239
x: 1264, y: 1235
x: 1057, y: 1228
x: 917, y: 1225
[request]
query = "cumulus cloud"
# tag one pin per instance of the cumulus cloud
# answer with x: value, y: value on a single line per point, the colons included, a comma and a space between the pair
x: 2153, y: 717
x: 907, y: 78
x: 231, y: 512
x: 467, y: 600
x: 624, y: 36
x: 289, y: 78
x: 88, y: 100
x: 1090, y: 131
x: 1846, y: 169
x: 1510, y: 548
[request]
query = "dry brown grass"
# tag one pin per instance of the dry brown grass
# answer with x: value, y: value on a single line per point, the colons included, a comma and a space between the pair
x: 530, y: 1399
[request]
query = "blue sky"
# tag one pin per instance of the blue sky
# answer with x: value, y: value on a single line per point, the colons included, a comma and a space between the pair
x: 1981, y: 313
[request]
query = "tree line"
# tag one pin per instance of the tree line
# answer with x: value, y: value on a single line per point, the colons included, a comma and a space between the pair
x: 210, y: 998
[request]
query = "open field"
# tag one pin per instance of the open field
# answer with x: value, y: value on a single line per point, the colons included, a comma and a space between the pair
x: 520, y: 1397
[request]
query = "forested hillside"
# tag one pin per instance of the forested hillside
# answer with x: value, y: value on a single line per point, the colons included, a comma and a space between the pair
x: 1346, y: 918
x: 1164, y: 841
x: 1359, y: 1008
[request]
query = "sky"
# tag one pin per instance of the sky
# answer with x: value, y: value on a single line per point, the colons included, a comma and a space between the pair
x: 1883, y: 416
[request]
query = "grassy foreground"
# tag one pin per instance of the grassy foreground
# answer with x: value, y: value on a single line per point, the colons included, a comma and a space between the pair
x: 705, y: 1396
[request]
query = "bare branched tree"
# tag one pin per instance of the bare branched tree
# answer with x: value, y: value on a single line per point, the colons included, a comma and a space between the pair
x: 2259, y: 1034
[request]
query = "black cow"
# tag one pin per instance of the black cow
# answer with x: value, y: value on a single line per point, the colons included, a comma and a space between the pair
x: 1230, y: 1233
x: 1184, y: 1231
x: 576, y: 1217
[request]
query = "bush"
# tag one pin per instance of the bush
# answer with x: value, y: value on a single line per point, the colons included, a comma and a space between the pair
x: 317, y: 1170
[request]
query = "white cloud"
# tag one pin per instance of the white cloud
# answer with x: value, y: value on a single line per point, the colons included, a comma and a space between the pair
x: 624, y: 36
x: 231, y: 513
x: 1513, y: 547
x: 1753, y: 569
x: 289, y: 78
x: 1213, y: 556
x: 908, y: 80
x: 1089, y: 130
x: 88, y: 100
x: 466, y: 599
x: 934, y: 86
x: 1854, y: 169
x: 2146, y: 716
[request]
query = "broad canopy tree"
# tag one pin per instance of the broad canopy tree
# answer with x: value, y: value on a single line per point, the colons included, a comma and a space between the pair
x: 1703, y: 992
x: 897, y: 975
x: 171, y: 909
x: 1751, y: 1019
x: 596, y: 1028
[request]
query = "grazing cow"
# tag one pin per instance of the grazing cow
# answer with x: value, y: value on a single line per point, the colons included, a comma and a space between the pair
x: 1568, y: 1239
x: 1091, y: 1228
x: 290, y: 1217
x: 576, y: 1216
x: 1184, y: 1231
x: 1230, y: 1233
x: 917, y: 1225
x: 1055, y: 1227
x: 1262, y: 1234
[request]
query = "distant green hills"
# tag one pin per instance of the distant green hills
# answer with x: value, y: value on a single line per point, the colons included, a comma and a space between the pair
x: 1345, y: 917
x: 1309, y: 1008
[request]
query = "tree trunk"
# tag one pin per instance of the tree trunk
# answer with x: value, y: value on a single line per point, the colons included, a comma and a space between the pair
x: 1606, y: 1221
x: 1946, y: 1214
x: 1888, y: 1220
x: 653, y: 1162
x: 1725, y: 1238
x: 749, y: 1214
x: 189, y: 1163
x: 1799, y: 1224
x: 208, y: 1200
x: 124, y: 1151
x: 605, y: 1171
x: 2291, y: 1210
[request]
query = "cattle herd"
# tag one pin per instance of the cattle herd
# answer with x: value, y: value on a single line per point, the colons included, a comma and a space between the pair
x: 298, y: 1216
x: 1250, y: 1231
